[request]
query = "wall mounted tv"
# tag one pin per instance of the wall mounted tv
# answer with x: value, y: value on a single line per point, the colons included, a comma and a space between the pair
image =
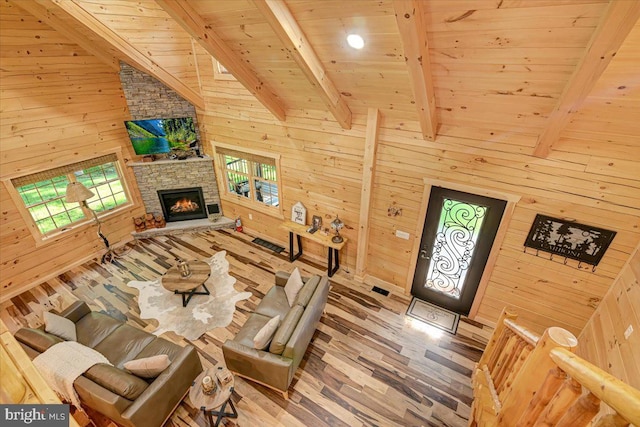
x: 157, y: 136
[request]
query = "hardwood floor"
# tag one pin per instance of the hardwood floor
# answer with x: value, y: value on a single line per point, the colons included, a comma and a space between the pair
x: 367, y: 365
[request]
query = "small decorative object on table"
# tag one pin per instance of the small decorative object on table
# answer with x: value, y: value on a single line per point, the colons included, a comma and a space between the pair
x: 316, y: 222
x: 337, y: 225
x: 183, y: 268
x: 208, y: 385
x: 299, y: 214
x: 224, y: 376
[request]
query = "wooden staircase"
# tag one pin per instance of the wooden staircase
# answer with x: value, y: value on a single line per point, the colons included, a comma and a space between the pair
x: 523, y: 380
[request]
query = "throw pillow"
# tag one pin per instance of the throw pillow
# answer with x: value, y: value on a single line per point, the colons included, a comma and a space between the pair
x: 60, y: 326
x: 148, y: 367
x: 264, y: 335
x: 293, y: 286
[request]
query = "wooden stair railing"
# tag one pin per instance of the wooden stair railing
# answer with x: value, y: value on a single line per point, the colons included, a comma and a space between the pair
x: 523, y: 380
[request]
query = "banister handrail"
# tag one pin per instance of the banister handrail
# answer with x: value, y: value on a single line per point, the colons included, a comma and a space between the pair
x: 621, y: 397
x: 530, y: 337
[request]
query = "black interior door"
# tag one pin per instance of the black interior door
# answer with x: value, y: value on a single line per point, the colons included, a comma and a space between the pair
x: 458, y: 233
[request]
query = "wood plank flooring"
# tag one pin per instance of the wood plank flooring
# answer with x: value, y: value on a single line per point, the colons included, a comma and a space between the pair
x: 367, y: 365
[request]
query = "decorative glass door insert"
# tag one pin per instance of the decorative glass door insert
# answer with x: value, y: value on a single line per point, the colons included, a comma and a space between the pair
x: 456, y: 237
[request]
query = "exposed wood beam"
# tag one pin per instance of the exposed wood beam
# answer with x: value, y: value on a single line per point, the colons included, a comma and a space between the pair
x: 413, y: 32
x: 51, y: 18
x: 368, y: 175
x: 128, y: 52
x: 614, y: 27
x: 291, y: 35
x: 194, y: 24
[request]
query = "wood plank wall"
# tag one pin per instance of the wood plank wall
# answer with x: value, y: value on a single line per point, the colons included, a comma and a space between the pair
x: 59, y: 104
x: 602, y: 341
x: 322, y: 167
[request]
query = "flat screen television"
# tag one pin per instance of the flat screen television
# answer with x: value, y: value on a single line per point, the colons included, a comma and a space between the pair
x: 157, y: 136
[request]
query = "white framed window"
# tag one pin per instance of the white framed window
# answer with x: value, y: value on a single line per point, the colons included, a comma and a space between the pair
x: 40, y: 196
x: 249, y: 177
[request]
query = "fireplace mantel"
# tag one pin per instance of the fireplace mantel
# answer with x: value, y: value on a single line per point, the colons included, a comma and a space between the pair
x: 171, y: 162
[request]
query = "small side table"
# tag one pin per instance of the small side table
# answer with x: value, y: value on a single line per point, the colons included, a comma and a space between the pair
x: 186, y: 286
x: 218, y: 399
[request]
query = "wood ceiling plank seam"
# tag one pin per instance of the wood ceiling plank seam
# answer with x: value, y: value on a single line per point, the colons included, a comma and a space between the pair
x: 54, y: 21
x: 194, y: 24
x: 616, y: 24
x: 86, y: 20
x: 295, y: 41
x: 410, y: 19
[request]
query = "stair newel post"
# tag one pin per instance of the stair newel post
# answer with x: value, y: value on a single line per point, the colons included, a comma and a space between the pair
x: 532, y: 374
x: 543, y: 396
x: 563, y: 399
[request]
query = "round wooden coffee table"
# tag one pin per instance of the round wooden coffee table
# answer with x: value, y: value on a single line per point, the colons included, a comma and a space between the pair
x: 186, y: 286
x: 218, y: 399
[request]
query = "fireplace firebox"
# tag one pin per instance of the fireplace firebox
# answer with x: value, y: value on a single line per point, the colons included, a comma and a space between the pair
x: 182, y: 204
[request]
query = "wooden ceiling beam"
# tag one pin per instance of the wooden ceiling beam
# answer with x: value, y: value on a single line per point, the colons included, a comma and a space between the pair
x: 51, y: 18
x: 614, y: 27
x: 128, y: 53
x: 291, y: 35
x: 189, y: 19
x: 413, y: 32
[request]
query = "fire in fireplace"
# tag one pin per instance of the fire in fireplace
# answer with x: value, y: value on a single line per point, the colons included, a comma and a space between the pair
x: 182, y: 204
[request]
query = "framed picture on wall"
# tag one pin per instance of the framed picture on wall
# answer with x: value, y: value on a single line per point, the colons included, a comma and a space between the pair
x: 569, y: 239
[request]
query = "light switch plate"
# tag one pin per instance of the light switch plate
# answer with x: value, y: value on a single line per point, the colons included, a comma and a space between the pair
x: 628, y: 332
x: 402, y: 234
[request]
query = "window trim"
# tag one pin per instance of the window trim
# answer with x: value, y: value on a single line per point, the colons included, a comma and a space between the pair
x: 223, y: 189
x: 54, y: 236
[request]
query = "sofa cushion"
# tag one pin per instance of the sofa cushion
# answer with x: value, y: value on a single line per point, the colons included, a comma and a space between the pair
x: 285, y: 330
x: 265, y: 334
x: 124, y: 344
x: 59, y: 326
x: 148, y: 367
x: 293, y: 286
x: 160, y: 346
x: 254, y: 323
x: 94, y: 327
x: 37, y: 339
x: 116, y: 380
x: 305, y: 294
x: 274, y: 303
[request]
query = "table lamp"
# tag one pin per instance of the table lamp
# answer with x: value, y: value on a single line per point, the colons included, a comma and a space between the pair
x: 78, y: 193
x: 337, y: 225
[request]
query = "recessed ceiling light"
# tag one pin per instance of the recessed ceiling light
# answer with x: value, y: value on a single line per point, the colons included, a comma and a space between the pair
x: 355, y: 41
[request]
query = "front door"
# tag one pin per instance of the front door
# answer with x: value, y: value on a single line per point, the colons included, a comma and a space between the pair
x: 459, y: 230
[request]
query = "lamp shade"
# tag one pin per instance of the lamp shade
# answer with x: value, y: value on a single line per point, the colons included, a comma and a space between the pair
x: 76, y: 193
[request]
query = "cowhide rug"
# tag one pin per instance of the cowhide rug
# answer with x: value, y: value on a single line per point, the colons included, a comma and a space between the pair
x: 203, y: 313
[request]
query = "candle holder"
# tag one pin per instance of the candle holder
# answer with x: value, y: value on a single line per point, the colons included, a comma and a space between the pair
x: 209, y: 386
x: 183, y: 268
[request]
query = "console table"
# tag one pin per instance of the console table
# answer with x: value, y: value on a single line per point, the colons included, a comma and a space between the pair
x: 300, y: 231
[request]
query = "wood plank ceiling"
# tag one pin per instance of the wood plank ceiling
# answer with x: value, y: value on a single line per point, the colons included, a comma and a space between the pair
x: 516, y: 68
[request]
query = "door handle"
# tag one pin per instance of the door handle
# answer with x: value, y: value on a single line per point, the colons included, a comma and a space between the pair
x: 424, y: 254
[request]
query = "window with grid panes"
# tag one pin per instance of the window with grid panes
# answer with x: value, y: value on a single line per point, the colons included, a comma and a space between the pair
x: 252, y: 177
x: 43, y: 192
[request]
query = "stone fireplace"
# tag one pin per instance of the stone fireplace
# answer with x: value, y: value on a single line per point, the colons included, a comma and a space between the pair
x: 182, y: 178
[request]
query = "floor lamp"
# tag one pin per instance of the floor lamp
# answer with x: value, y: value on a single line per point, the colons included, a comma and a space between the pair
x: 78, y: 193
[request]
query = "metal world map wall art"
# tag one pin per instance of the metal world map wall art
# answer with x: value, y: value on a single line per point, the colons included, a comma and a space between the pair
x: 568, y: 239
